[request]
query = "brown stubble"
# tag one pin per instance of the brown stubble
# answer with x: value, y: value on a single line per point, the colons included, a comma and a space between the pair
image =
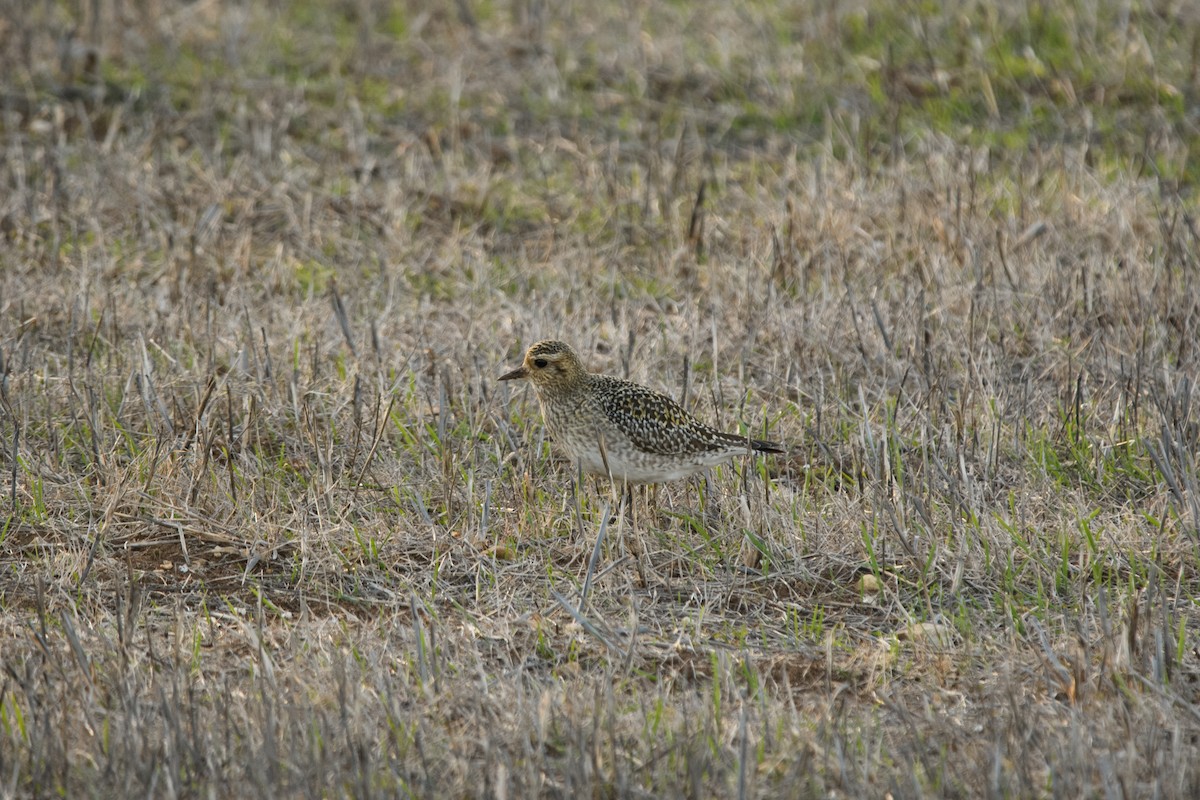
x: 271, y: 520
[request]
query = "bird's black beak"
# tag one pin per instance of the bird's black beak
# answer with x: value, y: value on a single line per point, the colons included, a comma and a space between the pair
x: 517, y: 374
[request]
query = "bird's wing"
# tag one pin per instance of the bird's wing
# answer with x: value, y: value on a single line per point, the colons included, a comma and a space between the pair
x: 657, y: 424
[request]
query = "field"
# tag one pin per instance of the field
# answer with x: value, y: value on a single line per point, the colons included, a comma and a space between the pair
x: 271, y: 526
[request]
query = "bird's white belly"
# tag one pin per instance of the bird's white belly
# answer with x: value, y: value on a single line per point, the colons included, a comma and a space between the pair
x: 643, y: 469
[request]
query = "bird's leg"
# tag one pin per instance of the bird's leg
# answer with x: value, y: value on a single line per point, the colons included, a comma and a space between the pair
x: 632, y: 504
x: 634, y: 539
x: 629, y: 501
x: 612, y: 480
x: 576, y: 483
x: 710, y: 511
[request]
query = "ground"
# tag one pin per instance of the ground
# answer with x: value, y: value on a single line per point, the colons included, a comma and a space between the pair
x: 271, y: 526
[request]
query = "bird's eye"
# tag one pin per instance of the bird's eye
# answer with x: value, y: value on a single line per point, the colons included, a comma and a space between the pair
x: 540, y: 363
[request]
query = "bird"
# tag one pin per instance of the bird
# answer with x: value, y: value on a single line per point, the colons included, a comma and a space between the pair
x: 620, y: 429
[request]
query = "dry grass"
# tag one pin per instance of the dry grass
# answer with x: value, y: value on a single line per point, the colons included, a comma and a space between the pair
x: 271, y: 526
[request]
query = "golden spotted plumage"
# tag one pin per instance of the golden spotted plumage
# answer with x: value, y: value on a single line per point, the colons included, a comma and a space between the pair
x: 616, y: 427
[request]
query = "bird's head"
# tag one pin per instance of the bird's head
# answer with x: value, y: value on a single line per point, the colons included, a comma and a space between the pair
x: 549, y: 365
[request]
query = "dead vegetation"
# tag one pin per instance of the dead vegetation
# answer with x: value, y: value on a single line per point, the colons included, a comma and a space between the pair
x: 271, y: 526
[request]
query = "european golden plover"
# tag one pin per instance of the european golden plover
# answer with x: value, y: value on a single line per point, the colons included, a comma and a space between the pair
x: 616, y: 427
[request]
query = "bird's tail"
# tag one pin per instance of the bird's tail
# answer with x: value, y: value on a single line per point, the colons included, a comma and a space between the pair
x: 763, y: 446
